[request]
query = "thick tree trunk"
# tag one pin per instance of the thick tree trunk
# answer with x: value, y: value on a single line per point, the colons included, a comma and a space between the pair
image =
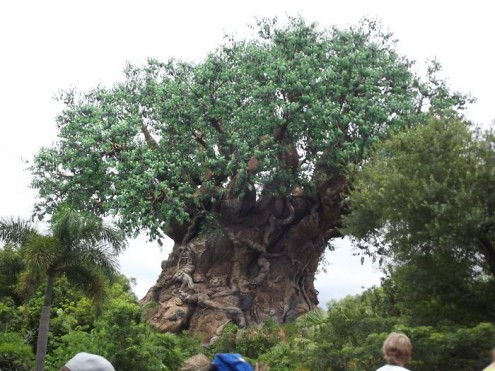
x: 250, y: 265
x: 44, y: 325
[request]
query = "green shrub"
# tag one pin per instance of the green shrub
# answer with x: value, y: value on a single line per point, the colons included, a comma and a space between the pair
x: 15, y: 354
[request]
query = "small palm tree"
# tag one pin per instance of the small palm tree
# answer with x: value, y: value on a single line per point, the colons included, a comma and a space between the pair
x: 83, y: 248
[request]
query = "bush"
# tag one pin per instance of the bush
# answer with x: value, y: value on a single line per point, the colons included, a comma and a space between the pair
x: 15, y: 354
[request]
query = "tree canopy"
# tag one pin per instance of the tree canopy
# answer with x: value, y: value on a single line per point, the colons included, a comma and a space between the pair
x: 429, y: 191
x: 281, y: 113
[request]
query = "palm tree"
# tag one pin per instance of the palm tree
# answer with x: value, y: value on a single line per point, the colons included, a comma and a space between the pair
x: 83, y: 248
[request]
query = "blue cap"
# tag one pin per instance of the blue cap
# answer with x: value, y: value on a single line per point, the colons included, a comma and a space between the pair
x: 231, y: 362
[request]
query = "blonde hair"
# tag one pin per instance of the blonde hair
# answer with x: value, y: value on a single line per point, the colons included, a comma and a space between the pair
x: 397, y: 349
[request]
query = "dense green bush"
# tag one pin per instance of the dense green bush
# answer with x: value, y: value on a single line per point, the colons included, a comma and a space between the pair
x: 451, y: 348
x: 15, y: 354
x: 120, y: 334
x: 349, y: 337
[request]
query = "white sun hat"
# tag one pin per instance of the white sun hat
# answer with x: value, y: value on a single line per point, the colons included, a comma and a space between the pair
x: 88, y: 362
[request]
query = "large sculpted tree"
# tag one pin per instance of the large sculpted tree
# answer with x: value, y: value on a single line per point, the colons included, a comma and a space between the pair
x: 239, y: 160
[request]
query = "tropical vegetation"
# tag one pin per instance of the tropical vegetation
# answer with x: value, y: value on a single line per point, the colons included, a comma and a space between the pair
x: 80, y: 248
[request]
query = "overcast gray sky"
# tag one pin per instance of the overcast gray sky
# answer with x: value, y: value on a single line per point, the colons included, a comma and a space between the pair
x: 47, y: 46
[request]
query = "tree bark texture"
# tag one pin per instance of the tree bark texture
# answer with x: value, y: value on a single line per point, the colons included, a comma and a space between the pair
x: 253, y: 263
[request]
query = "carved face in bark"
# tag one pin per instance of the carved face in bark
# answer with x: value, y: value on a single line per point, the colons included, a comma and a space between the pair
x: 253, y: 267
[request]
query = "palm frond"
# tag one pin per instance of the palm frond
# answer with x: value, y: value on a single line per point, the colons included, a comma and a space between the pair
x: 16, y: 230
x: 41, y: 253
x: 114, y: 237
x: 66, y: 225
x: 27, y: 283
x: 70, y: 227
x: 90, y: 281
x: 98, y: 255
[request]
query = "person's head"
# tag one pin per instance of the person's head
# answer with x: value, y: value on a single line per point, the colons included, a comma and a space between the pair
x: 397, y: 349
x: 87, y: 362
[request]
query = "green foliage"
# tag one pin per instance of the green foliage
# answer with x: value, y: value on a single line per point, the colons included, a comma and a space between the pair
x: 425, y: 203
x: 429, y: 191
x: 264, y: 343
x: 11, y: 265
x: 451, y: 347
x: 82, y: 248
x: 436, y: 291
x: 161, y: 146
x: 8, y: 314
x: 120, y: 334
x: 349, y: 336
x: 344, y: 339
x: 118, y: 331
x: 15, y: 354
